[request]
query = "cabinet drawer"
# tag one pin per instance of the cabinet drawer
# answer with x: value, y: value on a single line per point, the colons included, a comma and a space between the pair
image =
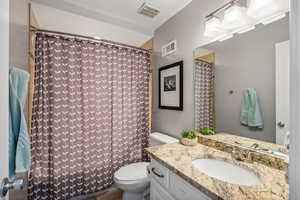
x: 159, y: 173
x: 181, y: 189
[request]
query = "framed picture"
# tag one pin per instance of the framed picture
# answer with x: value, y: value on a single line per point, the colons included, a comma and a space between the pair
x: 171, y: 86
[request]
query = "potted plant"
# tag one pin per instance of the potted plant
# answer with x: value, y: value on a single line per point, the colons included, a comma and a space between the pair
x: 207, y: 131
x: 189, y: 138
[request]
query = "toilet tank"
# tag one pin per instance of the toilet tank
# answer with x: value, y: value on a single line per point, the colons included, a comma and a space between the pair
x: 157, y: 138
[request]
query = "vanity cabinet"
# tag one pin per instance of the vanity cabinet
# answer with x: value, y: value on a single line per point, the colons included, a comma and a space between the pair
x: 158, y: 193
x: 166, y: 185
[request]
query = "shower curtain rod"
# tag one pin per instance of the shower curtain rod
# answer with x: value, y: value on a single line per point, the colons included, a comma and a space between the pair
x: 37, y: 30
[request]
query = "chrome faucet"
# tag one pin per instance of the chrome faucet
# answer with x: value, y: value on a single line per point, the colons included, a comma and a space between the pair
x: 236, y: 154
x: 245, y: 156
x: 255, y: 145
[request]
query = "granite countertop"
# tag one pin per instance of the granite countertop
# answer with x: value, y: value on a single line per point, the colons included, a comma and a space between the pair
x: 178, y: 158
x: 247, y: 142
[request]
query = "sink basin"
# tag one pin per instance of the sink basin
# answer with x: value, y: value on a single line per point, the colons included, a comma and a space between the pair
x: 226, y: 171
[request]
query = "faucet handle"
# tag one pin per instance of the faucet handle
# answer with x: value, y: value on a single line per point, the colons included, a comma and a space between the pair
x: 255, y: 145
x: 249, y: 157
x: 236, y: 154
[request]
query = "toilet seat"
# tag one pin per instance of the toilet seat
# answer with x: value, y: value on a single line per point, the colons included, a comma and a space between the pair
x: 133, y: 179
x: 131, y: 173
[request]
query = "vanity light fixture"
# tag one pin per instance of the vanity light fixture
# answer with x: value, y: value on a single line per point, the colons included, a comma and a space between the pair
x: 226, y: 37
x: 267, y: 11
x: 240, y: 16
x: 235, y: 18
x: 213, y: 27
x: 246, y: 29
x: 273, y: 18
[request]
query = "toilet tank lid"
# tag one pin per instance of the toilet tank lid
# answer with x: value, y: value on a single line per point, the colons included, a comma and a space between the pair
x: 165, y: 139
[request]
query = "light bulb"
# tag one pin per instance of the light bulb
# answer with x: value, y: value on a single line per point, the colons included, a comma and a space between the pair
x: 213, y: 27
x: 264, y: 10
x: 235, y: 17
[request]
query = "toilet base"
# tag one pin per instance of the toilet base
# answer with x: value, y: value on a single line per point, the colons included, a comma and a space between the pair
x: 133, y: 196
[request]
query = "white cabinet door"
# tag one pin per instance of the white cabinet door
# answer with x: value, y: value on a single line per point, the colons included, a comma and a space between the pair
x: 182, y: 190
x: 158, y: 193
x: 166, y: 185
x: 4, y: 66
x: 159, y: 173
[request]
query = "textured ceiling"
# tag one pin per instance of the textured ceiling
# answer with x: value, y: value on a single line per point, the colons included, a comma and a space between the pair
x: 121, y: 12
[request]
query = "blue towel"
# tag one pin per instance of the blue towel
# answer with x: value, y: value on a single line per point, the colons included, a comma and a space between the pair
x: 19, y: 144
x: 251, y: 114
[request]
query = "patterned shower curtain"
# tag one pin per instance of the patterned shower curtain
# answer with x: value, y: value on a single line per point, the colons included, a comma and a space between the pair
x: 204, y: 95
x: 90, y: 115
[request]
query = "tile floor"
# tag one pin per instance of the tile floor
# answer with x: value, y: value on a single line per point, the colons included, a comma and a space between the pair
x: 111, y: 194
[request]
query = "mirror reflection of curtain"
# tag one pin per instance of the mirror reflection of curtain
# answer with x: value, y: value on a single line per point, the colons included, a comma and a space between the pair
x: 204, y: 95
x: 90, y: 115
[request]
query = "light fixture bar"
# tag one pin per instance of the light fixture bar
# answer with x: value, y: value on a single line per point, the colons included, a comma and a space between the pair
x: 250, y: 28
x: 225, y: 38
x: 225, y: 6
x: 273, y: 18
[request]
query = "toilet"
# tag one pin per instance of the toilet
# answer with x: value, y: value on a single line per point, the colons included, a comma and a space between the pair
x: 133, y: 178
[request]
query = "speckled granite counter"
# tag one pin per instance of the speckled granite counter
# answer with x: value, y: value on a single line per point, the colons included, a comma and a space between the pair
x: 269, y: 157
x: 247, y: 142
x: 178, y: 158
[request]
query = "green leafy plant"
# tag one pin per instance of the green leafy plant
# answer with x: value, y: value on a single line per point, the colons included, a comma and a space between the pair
x: 207, y: 131
x: 189, y: 134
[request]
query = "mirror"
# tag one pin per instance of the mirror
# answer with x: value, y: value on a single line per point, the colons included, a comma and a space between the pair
x: 242, y: 87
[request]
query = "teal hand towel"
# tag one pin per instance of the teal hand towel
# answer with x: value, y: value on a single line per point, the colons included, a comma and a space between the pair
x: 251, y: 114
x: 19, y: 144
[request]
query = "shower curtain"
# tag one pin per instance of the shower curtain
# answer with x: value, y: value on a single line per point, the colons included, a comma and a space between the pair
x: 204, y: 95
x: 90, y: 115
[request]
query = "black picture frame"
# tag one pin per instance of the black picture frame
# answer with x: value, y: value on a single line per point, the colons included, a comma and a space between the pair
x: 180, y: 107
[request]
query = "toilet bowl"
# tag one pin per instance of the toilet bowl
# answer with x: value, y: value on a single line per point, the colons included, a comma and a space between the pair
x: 133, y: 180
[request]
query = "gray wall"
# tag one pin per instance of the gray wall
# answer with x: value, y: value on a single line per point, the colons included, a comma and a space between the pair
x: 187, y: 28
x: 18, y: 44
x: 247, y: 61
